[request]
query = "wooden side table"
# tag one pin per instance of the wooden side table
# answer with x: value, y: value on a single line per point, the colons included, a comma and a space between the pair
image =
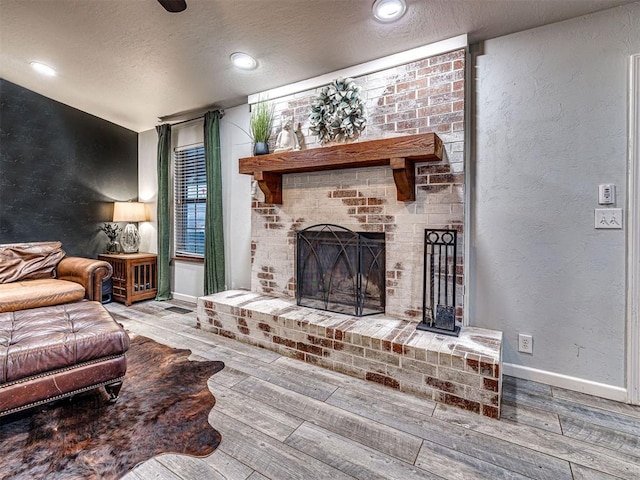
x: 135, y: 276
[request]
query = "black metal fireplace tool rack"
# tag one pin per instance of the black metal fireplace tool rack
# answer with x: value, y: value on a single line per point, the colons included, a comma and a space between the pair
x: 440, y: 269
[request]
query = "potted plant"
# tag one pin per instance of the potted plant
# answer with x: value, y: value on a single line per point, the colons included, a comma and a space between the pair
x: 260, y: 124
x: 112, y: 230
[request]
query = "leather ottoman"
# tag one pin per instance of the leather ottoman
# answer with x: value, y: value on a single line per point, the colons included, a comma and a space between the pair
x: 53, y: 352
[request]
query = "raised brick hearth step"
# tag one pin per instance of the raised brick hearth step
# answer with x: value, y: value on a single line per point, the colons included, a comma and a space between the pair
x: 464, y: 371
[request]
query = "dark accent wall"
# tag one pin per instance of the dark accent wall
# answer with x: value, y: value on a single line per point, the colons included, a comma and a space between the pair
x: 60, y: 169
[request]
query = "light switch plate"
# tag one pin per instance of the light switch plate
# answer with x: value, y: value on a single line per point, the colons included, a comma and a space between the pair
x: 610, y: 218
x: 606, y: 194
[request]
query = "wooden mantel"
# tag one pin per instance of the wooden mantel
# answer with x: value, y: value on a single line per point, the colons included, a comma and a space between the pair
x: 400, y: 153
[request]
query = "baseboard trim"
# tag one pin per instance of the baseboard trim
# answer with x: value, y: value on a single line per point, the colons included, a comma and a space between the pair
x: 564, y: 381
x: 184, y: 298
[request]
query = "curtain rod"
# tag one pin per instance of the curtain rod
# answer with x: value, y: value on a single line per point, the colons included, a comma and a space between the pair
x: 166, y: 120
x: 187, y: 121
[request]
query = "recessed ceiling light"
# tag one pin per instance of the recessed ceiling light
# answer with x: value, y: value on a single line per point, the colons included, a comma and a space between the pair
x: 43, y: 69
x: 389, y: 10
x: 243, y: 61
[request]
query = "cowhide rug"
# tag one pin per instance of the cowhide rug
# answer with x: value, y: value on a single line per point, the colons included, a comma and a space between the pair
x: 163, y: 407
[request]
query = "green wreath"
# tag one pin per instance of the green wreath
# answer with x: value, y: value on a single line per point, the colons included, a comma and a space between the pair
x: 337, y: 113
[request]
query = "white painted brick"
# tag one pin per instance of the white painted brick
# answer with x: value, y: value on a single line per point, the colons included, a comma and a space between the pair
x: 307, y: 199
x: 418, y: 390
x: 298, y: 178
x: 454, y: 157
x: 457, y: 167
x: 341, y: 357
x: 371, y: 172
x: 430, y: 208
x: 483, y: 396
x: 408, y: 372
x: 378, y: 191
x: 344, y: 177
x: 456, y: 146
x: 452, y: 137
x: 440, y: 219
x: 457, y: 210
x: 447, y: 198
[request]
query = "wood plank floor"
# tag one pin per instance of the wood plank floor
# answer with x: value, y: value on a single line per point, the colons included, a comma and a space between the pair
x: 284, y: 419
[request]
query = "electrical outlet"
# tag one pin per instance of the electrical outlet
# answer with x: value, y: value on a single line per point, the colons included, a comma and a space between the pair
x: 608, y: 218
x: 525, y: 343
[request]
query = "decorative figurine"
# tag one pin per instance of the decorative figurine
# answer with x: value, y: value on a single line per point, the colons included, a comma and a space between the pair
x: 287, y: 140
x: 300, y: 136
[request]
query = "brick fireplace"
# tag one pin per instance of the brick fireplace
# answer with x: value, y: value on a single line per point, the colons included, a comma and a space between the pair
x: 385, y: 348
x: 314, y: 187
x: 399, y: 193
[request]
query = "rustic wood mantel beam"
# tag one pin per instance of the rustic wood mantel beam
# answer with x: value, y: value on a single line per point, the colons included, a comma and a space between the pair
x: 401, y: 153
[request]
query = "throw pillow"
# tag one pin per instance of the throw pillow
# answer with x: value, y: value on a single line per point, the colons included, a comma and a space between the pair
x: 29, y: 261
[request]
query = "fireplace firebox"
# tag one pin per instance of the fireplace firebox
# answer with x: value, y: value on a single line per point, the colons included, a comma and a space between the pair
x: 340, y: 270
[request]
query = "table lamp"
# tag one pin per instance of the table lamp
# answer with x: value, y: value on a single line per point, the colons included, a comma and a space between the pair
x: 129, y: 212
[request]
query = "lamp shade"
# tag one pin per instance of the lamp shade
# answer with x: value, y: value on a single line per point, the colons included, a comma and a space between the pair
x: 129, y: 212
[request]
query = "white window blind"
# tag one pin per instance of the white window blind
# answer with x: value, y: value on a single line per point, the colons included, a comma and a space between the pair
x: 190, y: 196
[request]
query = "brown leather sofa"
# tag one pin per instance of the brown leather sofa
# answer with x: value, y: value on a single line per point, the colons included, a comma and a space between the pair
x: 38, y: 274
x: 54, y: 340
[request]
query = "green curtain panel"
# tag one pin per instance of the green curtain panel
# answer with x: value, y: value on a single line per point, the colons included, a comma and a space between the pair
x: 213, y: 237
x: 164, y: 226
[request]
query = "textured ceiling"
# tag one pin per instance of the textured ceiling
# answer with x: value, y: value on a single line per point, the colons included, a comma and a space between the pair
x: 130, y: 62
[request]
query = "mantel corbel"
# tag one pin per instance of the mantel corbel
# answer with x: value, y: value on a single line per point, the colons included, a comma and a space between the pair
x: 271, y: 185
x: 404, y: 176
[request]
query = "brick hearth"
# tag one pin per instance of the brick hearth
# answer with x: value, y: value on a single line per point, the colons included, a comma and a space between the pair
x: 463, y: 371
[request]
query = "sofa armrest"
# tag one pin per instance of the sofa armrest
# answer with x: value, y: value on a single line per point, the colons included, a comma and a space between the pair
x: 87, y: 272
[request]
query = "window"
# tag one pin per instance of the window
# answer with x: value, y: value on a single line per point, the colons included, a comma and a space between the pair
x: 190, y: 196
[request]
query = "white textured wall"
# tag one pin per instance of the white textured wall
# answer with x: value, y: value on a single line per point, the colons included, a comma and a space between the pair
x: 236, y: 190
x: 187, y: 278
x: 550, y: 125
x: 148, y: 189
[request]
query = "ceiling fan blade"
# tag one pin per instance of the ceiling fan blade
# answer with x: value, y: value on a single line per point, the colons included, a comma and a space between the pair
x: 173, y: 6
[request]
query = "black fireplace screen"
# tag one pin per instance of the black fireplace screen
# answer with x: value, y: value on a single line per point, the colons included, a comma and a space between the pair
x: 440, y: 270
x: 340, y: 270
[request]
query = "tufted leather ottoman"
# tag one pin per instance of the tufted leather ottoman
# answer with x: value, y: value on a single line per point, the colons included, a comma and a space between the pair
x: 52, y: 352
